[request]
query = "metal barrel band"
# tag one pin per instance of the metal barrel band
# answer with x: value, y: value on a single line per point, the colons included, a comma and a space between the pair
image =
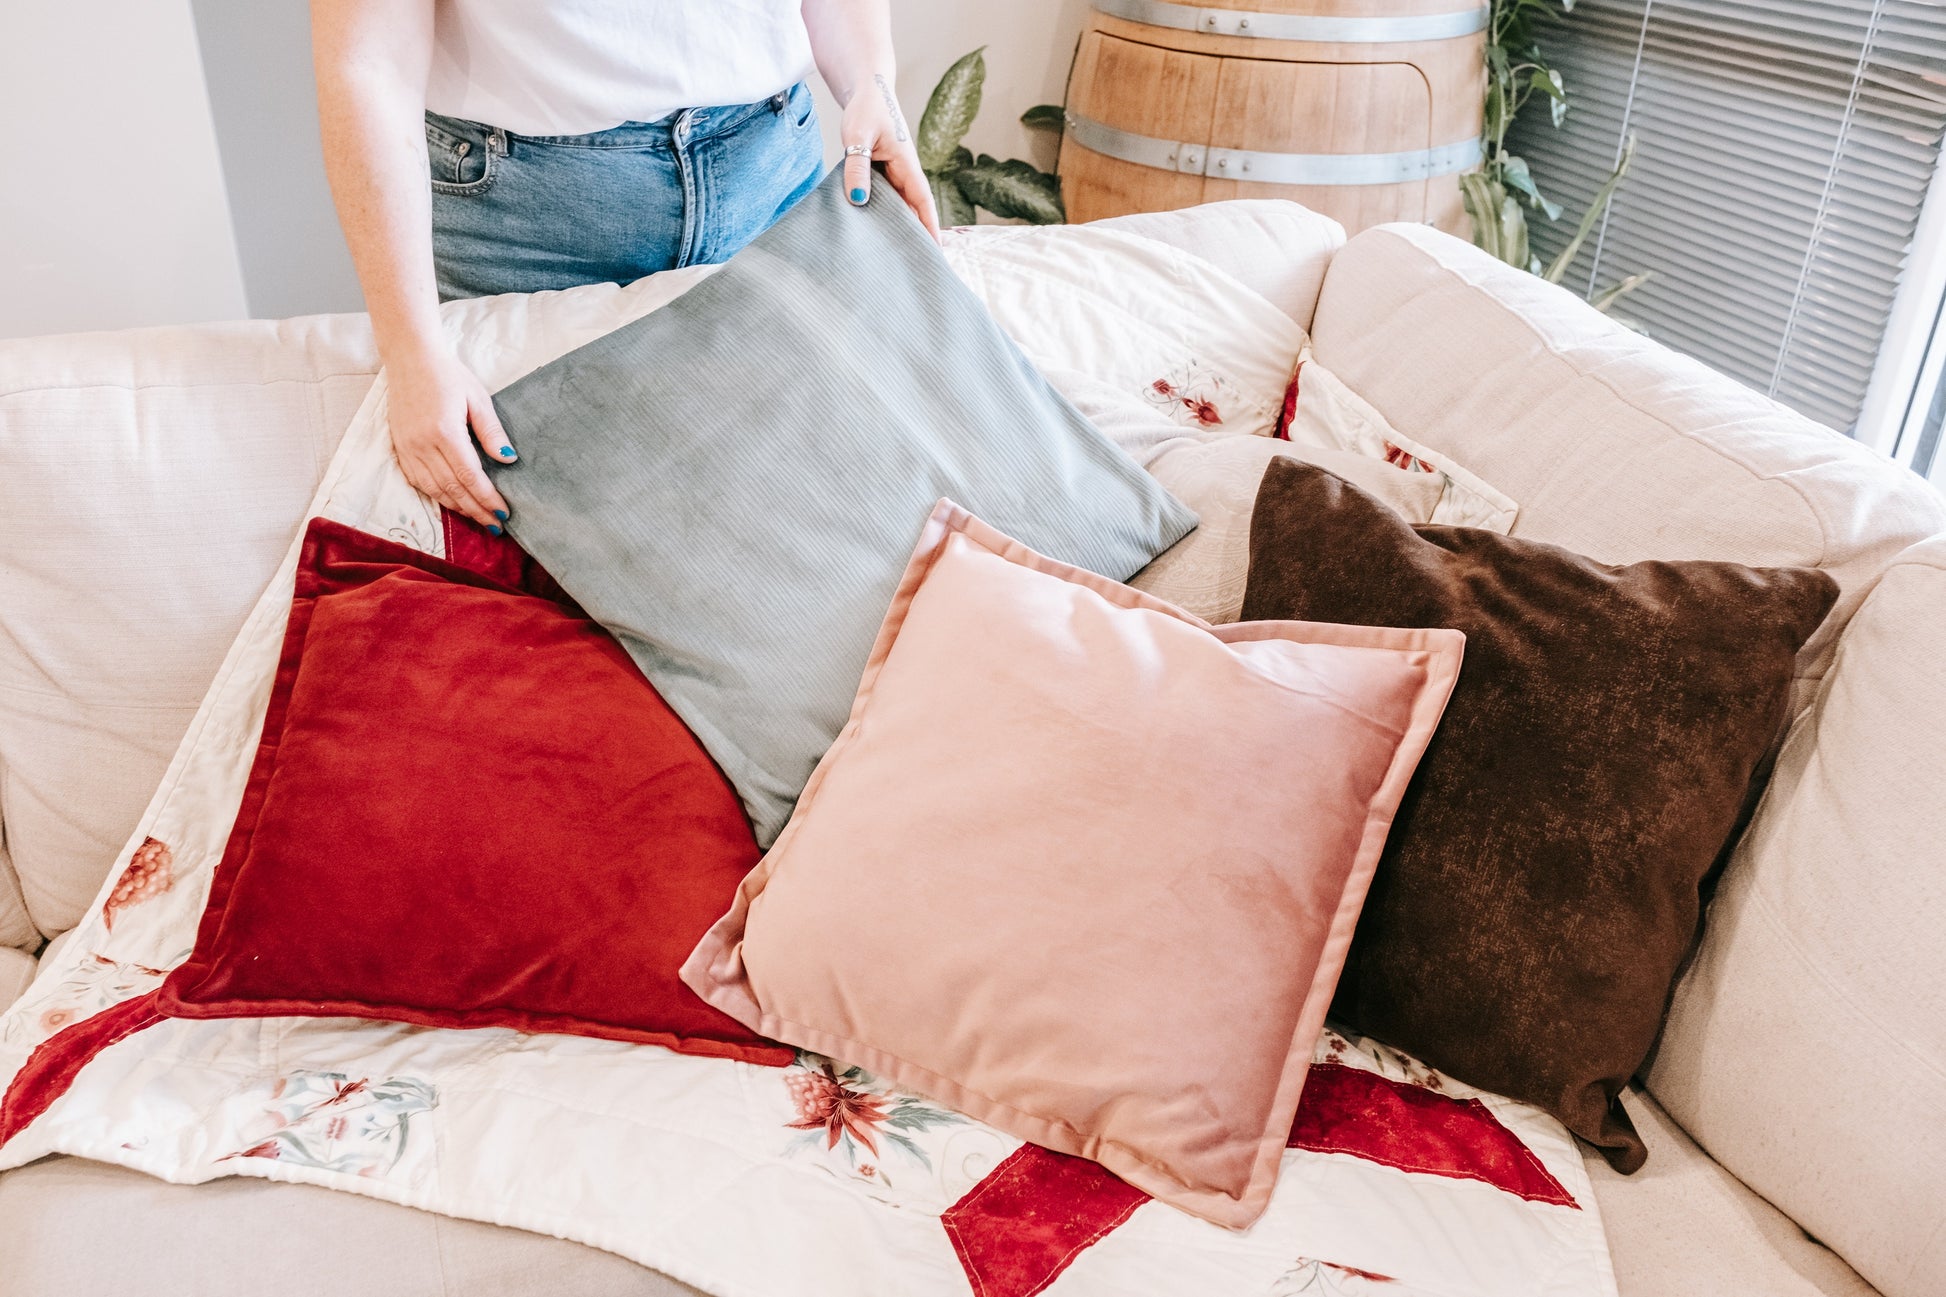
x: 1273, y: 168
x: 1323, y: 29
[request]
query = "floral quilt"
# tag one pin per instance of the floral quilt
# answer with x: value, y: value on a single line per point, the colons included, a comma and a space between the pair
x: 743, y: 1180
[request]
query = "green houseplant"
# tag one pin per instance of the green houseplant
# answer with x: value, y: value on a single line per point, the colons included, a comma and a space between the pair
x: 1500, y: 195
x: 962, y: 182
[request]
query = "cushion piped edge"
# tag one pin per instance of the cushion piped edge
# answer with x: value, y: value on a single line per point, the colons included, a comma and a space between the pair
x: 714, y: 970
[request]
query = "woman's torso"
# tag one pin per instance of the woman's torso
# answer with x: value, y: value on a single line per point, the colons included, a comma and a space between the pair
x: 568, y: 67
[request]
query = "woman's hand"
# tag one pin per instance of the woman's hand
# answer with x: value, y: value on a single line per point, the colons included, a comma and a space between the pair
x: 438, y: 408
x: 874, y: 130
x: 372, y: 58
x: 852, y: 42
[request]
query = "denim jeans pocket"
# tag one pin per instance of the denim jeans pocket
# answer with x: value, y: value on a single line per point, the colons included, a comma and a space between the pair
x: 459, y: 165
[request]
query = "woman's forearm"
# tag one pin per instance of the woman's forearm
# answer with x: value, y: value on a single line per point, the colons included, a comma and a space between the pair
x: 372, y: 60
x: 852, y: 42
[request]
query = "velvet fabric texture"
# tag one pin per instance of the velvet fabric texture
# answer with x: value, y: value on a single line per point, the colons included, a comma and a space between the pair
x: 1541, y: 886
x: 732, y: 483
x: 468, y: 809
x: 1092, y: 923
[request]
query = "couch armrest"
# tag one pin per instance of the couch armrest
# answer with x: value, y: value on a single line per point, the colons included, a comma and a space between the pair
x: 1806, y: 1044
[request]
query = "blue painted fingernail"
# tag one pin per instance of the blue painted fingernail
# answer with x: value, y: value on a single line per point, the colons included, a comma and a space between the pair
x: 857, y: 195
x: 493, y: 529
x: 506, y: 452
x: 501, y: 514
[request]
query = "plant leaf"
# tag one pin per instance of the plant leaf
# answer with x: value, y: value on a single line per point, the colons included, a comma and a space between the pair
x: 953, y: 206
x: 1012, y: 188
x: 1515, y: 175
x: 949, y: 114
x: 1615, y: 292
x: 1558, y: 269
x: 1514, y: 222
x: 1045, y: 117
x: 1499, y: 227
x: 917, y: 1116
x: 911, y: 1148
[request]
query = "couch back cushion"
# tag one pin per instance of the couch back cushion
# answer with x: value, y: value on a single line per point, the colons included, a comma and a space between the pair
x: 153, y: 480
x: 1806, y: 1046
x: 1615, y: 446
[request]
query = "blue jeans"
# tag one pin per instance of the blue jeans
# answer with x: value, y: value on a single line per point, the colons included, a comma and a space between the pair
x: 521, y: 213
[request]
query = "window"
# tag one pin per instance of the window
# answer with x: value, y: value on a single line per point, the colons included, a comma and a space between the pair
x: 1786, y: 152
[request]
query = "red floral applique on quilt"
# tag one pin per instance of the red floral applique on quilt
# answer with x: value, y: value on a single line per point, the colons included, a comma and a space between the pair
x: 1399, y: 1124
x: 1399, y: 458
x: 1288, y: 415
x: 51, y: 1069
x: 1017, y: 1230
x: 150, y: 873
x: 824, y: 1104
x: 1189, y: 395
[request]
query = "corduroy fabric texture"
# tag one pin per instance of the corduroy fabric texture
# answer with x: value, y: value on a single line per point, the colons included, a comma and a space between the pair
x: 1541, y: 885
x: 733, y: 483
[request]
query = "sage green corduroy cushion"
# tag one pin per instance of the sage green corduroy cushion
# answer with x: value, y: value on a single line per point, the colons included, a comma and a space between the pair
x: 733, y: 483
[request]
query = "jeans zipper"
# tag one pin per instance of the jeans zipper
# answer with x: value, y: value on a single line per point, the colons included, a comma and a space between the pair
x: 684, y: 167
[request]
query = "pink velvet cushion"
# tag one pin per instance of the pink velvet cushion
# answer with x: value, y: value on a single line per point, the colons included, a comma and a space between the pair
x: 1042, y: 877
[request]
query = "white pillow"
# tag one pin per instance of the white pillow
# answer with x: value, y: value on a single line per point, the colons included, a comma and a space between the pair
x: 1218, y: 477
x: 1330, y: 416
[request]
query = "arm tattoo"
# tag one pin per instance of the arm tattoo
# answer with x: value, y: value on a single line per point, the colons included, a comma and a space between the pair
x: 891, y: 106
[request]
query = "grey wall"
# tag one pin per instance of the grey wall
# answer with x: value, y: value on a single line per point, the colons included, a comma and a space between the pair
x: 111, y: 195
x: 257, y: 62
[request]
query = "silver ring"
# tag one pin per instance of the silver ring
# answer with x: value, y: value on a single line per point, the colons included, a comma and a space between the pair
x: 852, y: 149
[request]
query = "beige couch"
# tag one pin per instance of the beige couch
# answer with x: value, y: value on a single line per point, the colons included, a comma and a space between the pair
x: 150, y: 481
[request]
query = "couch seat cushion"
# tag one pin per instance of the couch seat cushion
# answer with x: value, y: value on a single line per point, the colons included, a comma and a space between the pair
x: 1682, y: 1226
x: 70, y: 1226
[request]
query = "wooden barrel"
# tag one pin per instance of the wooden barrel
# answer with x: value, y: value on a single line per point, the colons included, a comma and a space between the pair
x: 1365, y: 110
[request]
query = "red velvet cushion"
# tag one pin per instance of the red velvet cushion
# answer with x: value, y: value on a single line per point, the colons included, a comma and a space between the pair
x: 468, y: 809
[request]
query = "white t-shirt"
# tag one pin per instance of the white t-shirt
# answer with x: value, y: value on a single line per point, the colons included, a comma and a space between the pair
x: 568, y: 67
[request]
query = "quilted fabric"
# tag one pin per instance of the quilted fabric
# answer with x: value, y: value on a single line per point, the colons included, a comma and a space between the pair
x: 818, y: 1180
x: 732, y: 485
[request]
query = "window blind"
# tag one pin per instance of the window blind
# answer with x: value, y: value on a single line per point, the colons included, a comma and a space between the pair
x: 1784, y: 150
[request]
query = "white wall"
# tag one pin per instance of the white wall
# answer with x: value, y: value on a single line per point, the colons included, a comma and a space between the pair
x: 257, y: 64
x: 113, y: 205
x: 1029, y: 45
x: 112, y: 209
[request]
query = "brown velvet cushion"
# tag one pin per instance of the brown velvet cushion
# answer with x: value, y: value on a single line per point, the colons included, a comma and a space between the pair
x: 1540, y: 887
